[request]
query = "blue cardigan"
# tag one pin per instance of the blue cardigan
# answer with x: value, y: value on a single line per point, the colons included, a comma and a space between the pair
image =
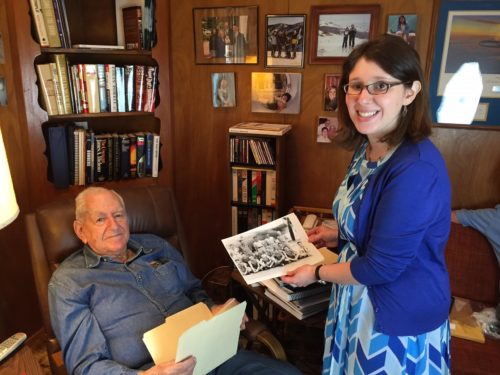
x: 401, y: 231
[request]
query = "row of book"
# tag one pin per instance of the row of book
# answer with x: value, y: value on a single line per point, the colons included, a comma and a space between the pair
x: 244, y: 218
x: 251, y: 151
x: 254, y: 186
x: 78, y: 156
x: 51, y: 23
x: 94, y: 88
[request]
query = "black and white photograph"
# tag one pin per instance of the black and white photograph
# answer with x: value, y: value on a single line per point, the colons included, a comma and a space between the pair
x: 271, y: 250
x: 336, y: 30
x: 285, y: 40
x: 276, y: 92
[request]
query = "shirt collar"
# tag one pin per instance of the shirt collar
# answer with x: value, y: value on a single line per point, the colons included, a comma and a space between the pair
x: 92, y: 259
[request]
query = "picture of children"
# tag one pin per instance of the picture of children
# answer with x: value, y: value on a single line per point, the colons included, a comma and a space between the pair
x: 326, y: 129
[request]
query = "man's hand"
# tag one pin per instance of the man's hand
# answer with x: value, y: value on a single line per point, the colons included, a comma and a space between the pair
x: 185, y: 367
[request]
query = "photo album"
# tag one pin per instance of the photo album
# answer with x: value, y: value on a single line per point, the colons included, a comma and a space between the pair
x: 271, y: 250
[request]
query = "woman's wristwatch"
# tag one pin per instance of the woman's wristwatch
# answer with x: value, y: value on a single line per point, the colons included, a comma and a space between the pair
x: 316, y: 272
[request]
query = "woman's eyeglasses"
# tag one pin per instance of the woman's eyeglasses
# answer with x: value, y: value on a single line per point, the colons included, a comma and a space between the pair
x: 375, y: 88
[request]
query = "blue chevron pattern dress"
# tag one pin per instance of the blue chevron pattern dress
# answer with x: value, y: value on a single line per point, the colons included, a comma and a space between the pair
x: 352, y: 345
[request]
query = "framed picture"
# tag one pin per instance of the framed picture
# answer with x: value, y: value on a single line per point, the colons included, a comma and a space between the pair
x: 403, y: 25
x: 276, y: 92
x: 465, y: 78
x: 336, y: 29
x: 226, y: 35
x: 330, y: 92
x: 223, y: 90
x: 285, y: 41
x: 326, y: 129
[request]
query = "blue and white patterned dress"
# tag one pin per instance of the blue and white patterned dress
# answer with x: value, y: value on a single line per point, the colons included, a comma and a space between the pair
x: 352, y: 346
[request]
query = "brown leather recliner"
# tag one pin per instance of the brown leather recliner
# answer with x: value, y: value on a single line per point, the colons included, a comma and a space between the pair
x: 150, y: 210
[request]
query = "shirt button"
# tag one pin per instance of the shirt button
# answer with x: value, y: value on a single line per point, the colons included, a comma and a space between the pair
x: 376, y: 309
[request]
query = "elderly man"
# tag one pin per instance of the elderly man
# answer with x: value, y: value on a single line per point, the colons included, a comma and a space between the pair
x: 118, y: 286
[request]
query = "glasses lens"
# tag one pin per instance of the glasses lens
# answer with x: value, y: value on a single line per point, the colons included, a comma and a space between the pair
x: 378, y: 88
x: 353, y: 88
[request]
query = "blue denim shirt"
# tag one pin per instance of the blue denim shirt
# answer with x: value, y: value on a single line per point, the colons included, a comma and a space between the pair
x: 100, y: 308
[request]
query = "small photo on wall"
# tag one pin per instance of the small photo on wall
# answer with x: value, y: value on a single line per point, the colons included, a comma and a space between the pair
x: 223, y: 90
x: 330, y: 92
x: 285, y: 40
x: 276, y: 92
x: 403, y: 25
x: 326, y: 129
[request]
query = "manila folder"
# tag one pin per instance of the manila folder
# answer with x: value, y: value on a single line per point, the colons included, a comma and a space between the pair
x: 163, y: 341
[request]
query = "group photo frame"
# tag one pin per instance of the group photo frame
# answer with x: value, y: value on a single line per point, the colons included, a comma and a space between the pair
x: 285, y: 41
x: 465, y: 70
x: 336, y: 29
x: 226, y: 35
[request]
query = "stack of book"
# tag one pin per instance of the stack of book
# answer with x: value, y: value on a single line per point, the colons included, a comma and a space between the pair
x: 301, y: 302
x: 93, y: 88
x: 51, y: 23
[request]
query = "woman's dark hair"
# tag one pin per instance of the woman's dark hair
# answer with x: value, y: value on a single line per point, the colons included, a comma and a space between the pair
x: 400, y: 60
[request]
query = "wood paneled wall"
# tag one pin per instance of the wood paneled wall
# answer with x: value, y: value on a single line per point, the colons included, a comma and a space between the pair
x: 314, y: 170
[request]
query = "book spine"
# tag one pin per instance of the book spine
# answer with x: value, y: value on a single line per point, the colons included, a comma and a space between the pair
x: 116, y: 156
x: 100, y: 160
x: 59, y: 24
x: 49, y: 18
x: 47, y: 88
x: 92, y: 87
x: 57, y: 89
x: 133, y: 155
x: 149, y: 101
x: 139, y: 87
x: 124, y: 156
x: 75, y: 85
x: 84, y: 103
x: 62, y: 71
x: 132, y: 27
x: 111, y: 87
x: 156, y: 155
x: 149, y: 154
x: 101, y: 83
x: 129, y: 88
x: 64, y: 17
x: 109, y: 157
x: 120, y: 88
x: 141, y: 155
x: 89, y: 173
x: 36, y: 11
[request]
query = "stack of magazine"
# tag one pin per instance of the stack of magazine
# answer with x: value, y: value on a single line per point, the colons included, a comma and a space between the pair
x: 301, y: 302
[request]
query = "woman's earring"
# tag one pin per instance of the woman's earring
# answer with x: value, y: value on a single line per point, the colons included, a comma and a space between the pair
x: 405, y: 111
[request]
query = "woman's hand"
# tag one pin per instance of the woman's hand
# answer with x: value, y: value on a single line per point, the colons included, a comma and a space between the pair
x: 302, y: 276
x: 323, y: 236
x: 185, y: 367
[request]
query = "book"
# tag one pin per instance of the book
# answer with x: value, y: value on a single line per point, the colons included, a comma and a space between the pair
x: 124, y: 144
x: 141, y: 154
x: 57, y: 88
x: 290, y: 293
x: 132, y: 27
x: 47, y: 87
x: 291, y: 308
x: 156, y: 155
x: 149, y: 154
x: 58, y: 156
x: 101, y: 83
x: 49, y: 19
x: 129, y: 88
x: 120, y: 88
x: 41, y: 30
x: 120, y: 30
x: 260, y: 128
x: 271, y: 250
x: 97, y: 46
x: 111, y: 87
x: 140, y: 87
x: 92, y: 87
x: 133, y: 155
x: 82, y: 89
x: 60, y: 22
x: 150, y: 90
x: 196, y: 331
x: 64, y: 83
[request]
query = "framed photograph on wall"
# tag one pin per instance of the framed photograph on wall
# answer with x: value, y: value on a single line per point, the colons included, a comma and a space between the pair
x: 223, y: 90
x: 276, y: 92
x: 326, y: 129
x: 285, y: 41
x: 336, y: 29
x: 226, y: 35
x: 331, y: 87
x: 404, y: 26
x: 465, y: 75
